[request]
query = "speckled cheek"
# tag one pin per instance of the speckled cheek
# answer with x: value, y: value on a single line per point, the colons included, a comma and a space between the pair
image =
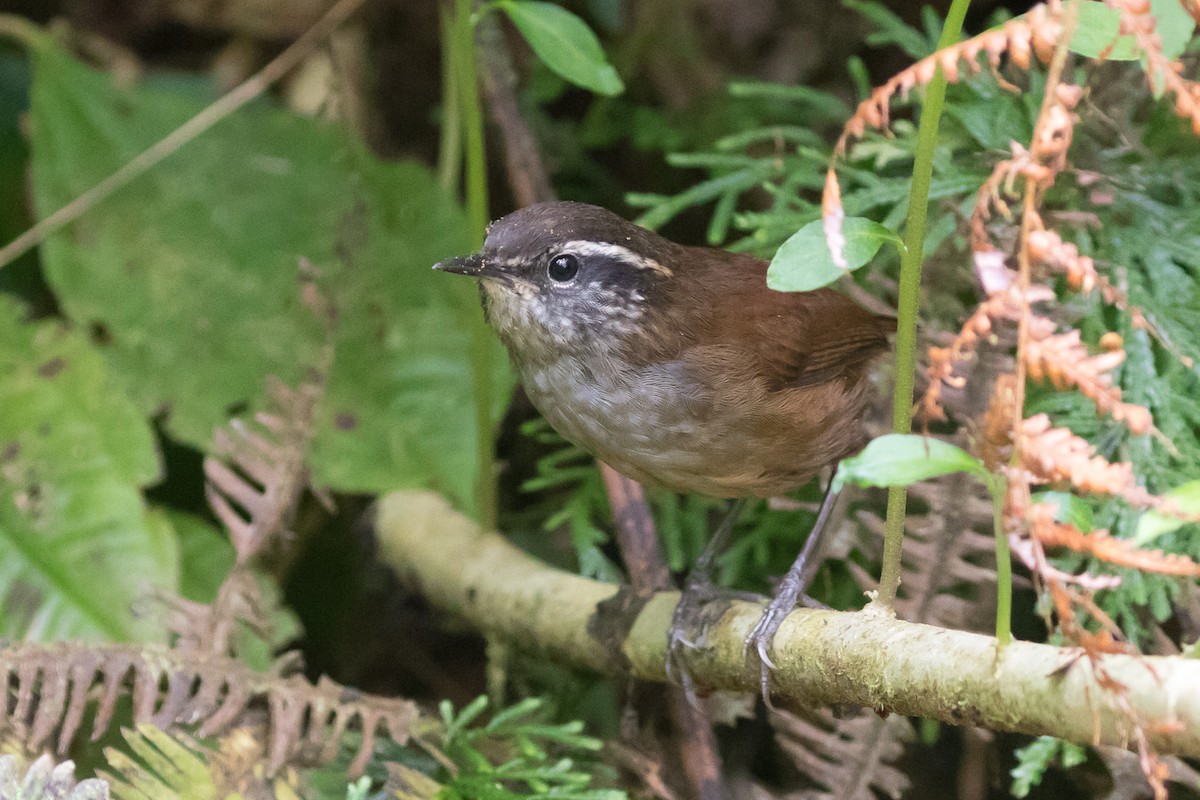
x: 513, y: 311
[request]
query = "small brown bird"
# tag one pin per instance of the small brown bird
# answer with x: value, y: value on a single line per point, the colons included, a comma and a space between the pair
x: 675, y: 365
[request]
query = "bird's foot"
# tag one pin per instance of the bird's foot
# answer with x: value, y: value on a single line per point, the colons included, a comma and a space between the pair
x: 758, y: 643
x: 701, y: 604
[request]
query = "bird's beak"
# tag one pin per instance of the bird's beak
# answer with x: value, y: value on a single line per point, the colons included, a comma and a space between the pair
x: 473, y: 265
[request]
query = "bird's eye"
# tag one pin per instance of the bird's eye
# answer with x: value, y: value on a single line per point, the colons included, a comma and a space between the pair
x: 564, y: 267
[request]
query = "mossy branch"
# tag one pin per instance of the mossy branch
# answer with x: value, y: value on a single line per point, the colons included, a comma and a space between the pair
x: 823, y: 657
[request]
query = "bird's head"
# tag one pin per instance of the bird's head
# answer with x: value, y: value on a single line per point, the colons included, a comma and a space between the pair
x: 567, y: 277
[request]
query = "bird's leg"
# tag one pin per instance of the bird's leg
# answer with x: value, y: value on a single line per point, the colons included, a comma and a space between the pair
x: 697, y: 591
x: 791, y: 589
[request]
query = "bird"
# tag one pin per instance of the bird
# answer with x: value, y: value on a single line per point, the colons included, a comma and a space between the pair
x: 676, y: 365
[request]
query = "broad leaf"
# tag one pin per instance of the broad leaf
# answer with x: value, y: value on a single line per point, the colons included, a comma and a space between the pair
x: 77, y: 546
x: 187, y: 277
x: 1174, y: 25
x: 565, y: 44
x: 803, y: 262
x: 1069, y: 508
x: 903, y: 459
x: 1097, y: 33
x: 1153, y: 524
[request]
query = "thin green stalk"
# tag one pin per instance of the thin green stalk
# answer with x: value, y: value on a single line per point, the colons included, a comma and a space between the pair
x: 470, y: 116
x: 1003, y: 565
x: 472, y: 119
x: 910, y: 283
x: 450, y: 147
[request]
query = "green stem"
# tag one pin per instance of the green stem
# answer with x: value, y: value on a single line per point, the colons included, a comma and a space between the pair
x: 450, y: 147
x: 910, y: 283
x: 471, y: 116
x: 472, y: 119
x: 1003, y: 564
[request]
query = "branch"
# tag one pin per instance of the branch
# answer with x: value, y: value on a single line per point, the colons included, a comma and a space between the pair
x: 823, y: 657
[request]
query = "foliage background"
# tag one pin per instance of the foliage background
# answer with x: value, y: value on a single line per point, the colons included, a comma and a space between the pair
x: 128, y: 337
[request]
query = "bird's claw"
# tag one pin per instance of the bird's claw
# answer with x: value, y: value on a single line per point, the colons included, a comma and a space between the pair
x: 761, y: 638
x: 688, y: 623
x: 677, y: 644
x: 759, y: 643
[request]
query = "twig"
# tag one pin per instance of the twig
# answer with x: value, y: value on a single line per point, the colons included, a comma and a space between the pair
x: 526, y: 171
x: 823, y: 657
x: 636, y: 536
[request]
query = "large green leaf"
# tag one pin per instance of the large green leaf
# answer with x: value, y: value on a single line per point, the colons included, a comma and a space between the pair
x: 188, y: 276
x: 897, y: 459
x: 565, y: 44
x: 1098, y: 34
x: 804, y: 263
x: 77, y: 546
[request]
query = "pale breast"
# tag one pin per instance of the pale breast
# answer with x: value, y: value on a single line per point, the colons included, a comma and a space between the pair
x: 648, y: 424
x: 639, y: 424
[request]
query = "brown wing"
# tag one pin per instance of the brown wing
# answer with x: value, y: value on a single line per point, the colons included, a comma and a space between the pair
x: 792, y: 339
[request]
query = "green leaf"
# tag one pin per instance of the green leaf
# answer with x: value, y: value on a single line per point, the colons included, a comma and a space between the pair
x: 205, y: 557
x: 1153, y: 524
x: 803, y: 262
x: 903, y: 459
x: 1071, y: 509
x: 565, y: 44
x: 77, y: 546
x: 1097, y: 33
x: 1174, y: 25
x: 187, y: 277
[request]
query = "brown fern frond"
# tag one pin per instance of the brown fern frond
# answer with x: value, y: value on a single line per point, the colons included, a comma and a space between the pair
x: 1102, y: 545
x: 1056, y: 455
x: 1006, y: 305
x: 1038, y: 165
x: 1064, y: 361
x: 994, y: 444
x: 1032, y: 35
x: 210, y: 629
x: 848, y: 759
x: 1137, y: 18
x: 1051, y: 253
x: 49, y: 687
x: 1105, y: 641
x: 259, y: 469
x: 1094, y: 645
x: 948, y: 557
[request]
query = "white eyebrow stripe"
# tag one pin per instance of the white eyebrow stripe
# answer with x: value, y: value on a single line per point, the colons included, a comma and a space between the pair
x: 586, y: 248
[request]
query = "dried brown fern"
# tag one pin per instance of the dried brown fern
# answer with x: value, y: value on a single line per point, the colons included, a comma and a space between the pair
x: 1029, y: 452
x: 949, y: 558
x: 945, y: 580
x: 1037, y: 35
x: 51, y: 685
x: 848, y: 759
x: 200, y: 681
x: 259, y: 469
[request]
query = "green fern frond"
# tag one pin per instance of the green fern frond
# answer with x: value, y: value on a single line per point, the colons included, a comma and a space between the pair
x: 162, y: 767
